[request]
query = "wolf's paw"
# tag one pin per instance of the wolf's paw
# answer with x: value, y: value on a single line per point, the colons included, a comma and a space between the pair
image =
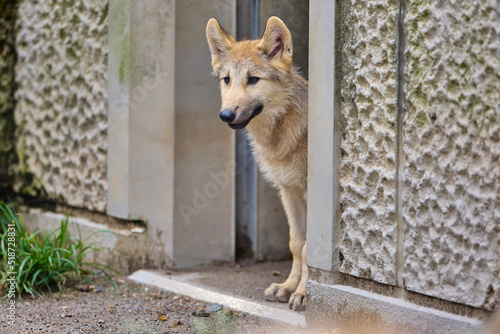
x: 297, y: 301
x: 278, y: 292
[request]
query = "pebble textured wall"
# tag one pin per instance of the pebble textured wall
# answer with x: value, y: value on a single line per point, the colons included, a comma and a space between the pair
x: 368, y: 166
x: 62, y: 99
x: 451, y: 194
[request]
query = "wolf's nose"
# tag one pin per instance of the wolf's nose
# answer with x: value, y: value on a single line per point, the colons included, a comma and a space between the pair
x: 227, y: 116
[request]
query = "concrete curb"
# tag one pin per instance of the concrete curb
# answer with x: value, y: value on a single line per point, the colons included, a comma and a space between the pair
x: 344, y: 304
x: 238, y: 304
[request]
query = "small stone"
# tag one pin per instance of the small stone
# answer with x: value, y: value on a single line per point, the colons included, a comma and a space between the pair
x: 276, y: 273
x: 214, y: 307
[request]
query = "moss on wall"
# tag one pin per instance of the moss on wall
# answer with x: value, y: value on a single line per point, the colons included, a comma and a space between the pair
x: 8, y: 58
x: 450, y: 186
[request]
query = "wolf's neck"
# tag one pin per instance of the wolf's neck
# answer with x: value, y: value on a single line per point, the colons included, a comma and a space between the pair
x: 284, y: 133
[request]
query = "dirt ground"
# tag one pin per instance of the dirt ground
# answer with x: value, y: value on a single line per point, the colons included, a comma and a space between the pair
x: 99, y: 308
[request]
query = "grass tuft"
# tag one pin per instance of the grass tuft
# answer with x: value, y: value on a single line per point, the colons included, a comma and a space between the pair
x: 41, y: 261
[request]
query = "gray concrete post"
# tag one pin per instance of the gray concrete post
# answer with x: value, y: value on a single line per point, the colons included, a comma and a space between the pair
x: 322, y: 186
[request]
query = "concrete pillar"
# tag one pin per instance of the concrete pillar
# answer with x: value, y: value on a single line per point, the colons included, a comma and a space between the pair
x: 170, y: 160
x: 322, y: 186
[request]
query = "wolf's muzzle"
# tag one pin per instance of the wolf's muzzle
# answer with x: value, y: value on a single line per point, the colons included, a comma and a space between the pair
x: 241, y: 125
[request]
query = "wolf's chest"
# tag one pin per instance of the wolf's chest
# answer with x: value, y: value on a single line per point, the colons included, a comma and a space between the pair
x: 280, y: 172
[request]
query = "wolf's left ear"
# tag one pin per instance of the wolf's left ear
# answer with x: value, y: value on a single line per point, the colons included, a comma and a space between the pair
x: 219, y: 41
x: 277, y: 40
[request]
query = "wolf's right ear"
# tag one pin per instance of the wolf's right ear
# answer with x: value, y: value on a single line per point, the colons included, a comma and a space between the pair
x: 219, y: 41
x: 276, y: 42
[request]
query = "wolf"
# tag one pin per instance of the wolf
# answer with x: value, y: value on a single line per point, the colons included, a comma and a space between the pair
x: 263, y: 93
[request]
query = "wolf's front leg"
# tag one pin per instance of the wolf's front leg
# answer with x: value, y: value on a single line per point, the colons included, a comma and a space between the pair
x: 298, y: 298
x: 282, y: 292
x: 293, y: 289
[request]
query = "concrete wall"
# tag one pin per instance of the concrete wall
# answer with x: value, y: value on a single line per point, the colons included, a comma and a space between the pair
x: 204, y: 146
x: 61, y: 111
x: 402, y: 185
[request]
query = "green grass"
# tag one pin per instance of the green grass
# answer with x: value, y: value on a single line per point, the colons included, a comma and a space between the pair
x: 41, y: 261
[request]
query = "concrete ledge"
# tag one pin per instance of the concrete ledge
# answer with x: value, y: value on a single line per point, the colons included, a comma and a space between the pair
x: 353, y: 310
x: 43, y: 219
x: 127, y: 242
x: 199, y: 293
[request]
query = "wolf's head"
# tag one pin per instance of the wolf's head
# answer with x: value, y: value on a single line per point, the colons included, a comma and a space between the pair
x: 253, y: 75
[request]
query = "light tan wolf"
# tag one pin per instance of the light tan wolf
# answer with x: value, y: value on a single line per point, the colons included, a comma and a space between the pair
x: 262, y: 92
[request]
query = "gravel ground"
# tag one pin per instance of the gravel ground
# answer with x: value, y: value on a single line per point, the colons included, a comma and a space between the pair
x: 132, y: 309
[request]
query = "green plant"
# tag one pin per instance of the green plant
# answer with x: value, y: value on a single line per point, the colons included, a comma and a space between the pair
x: 43, y: 261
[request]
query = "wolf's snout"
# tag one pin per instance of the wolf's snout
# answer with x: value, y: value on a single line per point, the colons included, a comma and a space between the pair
x: 227, y: 115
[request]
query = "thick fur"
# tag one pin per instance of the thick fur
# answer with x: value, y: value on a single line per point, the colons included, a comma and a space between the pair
x: 274, y: 112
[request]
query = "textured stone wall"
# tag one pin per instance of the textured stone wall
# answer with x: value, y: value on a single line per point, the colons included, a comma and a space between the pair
x: 61, y: 112
x: 451, y: 189
x: 368, y: 166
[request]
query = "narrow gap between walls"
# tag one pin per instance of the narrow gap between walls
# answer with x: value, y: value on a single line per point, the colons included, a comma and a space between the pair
x: 400, y: 67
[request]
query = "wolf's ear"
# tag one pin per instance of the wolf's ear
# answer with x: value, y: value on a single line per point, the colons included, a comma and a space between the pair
x: 277, y: 40
x: 219, y: 41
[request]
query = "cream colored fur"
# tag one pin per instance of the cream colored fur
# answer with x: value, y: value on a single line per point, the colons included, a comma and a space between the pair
x: 278, y: 133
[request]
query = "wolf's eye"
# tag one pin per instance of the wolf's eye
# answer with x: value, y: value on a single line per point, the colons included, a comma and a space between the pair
x: 253, y: 80
x: 226, y: 80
